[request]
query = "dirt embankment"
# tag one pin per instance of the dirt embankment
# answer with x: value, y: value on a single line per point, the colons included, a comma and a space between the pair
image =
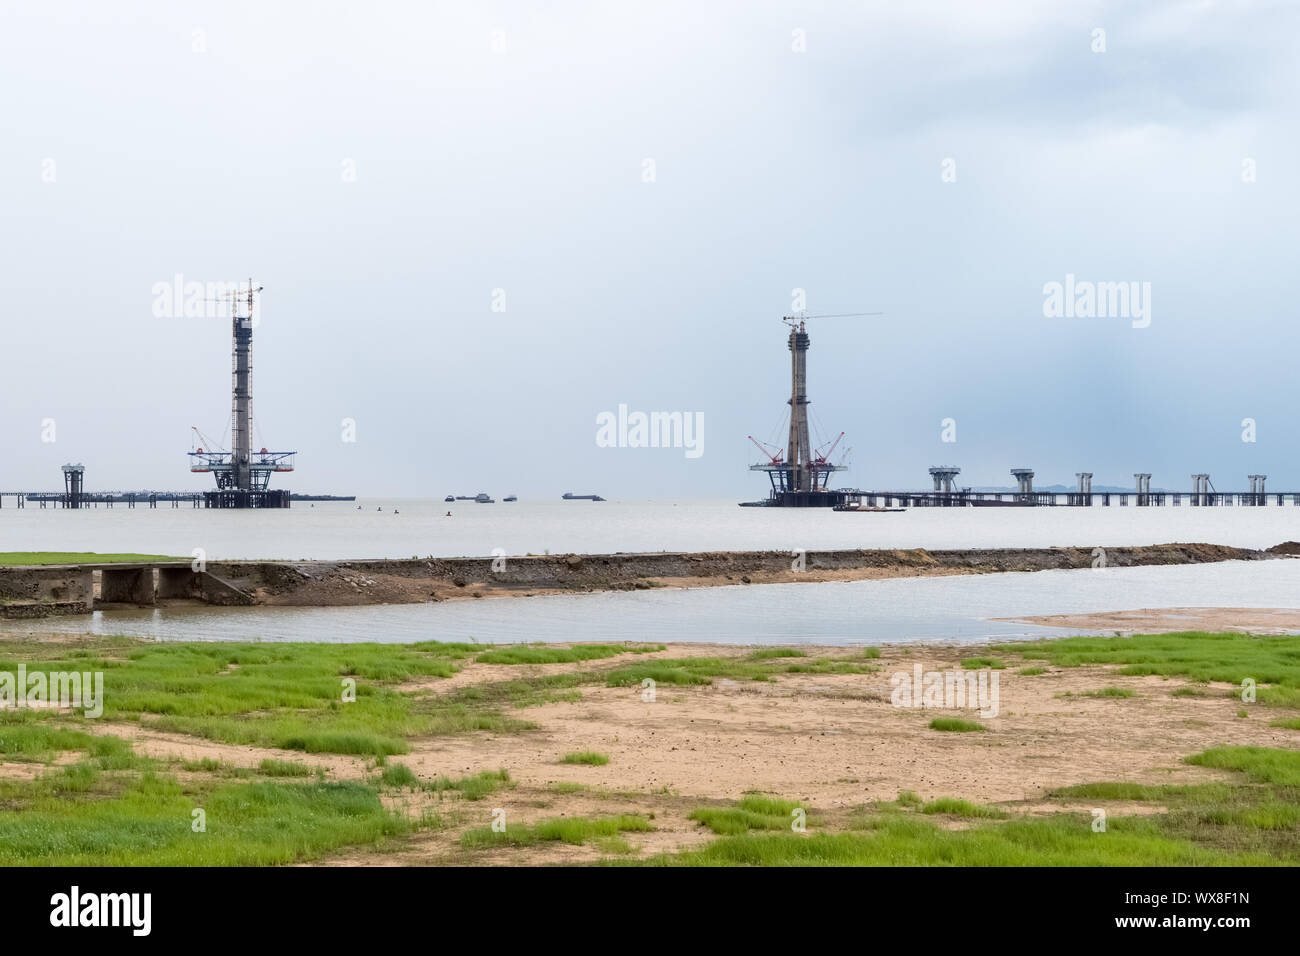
x: 323, y: 583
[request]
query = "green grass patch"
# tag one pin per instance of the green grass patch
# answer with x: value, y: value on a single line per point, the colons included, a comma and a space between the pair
x: 29, y: 736
x: 951, y: 806
x: 17, y: 558
x: 761, y: 665
x: 474, y: 787
x: 979, y: 663
x: 614, y: 845
x: 1252, y: 821
x: 956, y: 725
x: 1031, y: 671
x: 826, y: 665
x: 23, y: 736
x: 541, y: 654
x: 591, y: 758
x: 572, y: 830
x: 210, y: 765
x: 1123, y: 790
x: 908, y: 840
x: 147, y: 822
x: 1260, y: 764
x: 754, y: 811
x: 1108, y: 692
x: 283, y: 768
x: 687, y: 671
x: 567, y: 786
x: 1194, y: 655
x: 398, y: 775
x: 759, y: 803
x: 487, y: 706
x: 290, y: 696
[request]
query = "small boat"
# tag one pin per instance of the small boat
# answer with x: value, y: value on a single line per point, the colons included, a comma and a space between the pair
x: 450, y: 498
x: 484, y: 498
x: 570, y: 496
x: 510, y: 498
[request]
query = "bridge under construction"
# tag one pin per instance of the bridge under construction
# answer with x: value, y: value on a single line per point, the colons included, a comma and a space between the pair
x: 242, y: 475
x: 944, y: 495
x: 799, y: 473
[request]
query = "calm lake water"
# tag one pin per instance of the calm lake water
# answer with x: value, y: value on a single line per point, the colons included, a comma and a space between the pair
x: 420, y: 527
x: 954, y: 608
x: 949, y: 609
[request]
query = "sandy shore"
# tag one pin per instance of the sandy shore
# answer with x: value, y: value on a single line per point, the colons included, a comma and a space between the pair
x: 832, y: 741
x: 1253, y: 620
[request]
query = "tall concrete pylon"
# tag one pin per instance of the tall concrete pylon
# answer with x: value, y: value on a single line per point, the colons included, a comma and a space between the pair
x: 799, y: 454
x: 241, y: 398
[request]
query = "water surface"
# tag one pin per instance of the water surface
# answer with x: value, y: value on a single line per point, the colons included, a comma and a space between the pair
x: 420, y: 527
x: 950, y: 609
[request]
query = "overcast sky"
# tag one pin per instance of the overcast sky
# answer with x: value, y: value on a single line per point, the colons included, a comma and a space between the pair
x: 641, y: 187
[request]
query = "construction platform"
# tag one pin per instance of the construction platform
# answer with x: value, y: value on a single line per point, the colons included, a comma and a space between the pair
x: 228, y: 498
x: 1068, y: 499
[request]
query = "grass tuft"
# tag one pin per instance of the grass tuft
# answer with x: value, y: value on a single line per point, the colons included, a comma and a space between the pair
x: 956, y: 725
x: 591, y: 758
x: 541, y: 654
x: 284, y: 768
x: 572, y: 830
x: 951, y: 806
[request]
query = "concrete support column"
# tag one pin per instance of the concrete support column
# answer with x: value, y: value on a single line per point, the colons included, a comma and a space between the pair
x: 1200, y: 489
x: 1143, y: 480
x: 1024, y: 481
x: 943, y: 476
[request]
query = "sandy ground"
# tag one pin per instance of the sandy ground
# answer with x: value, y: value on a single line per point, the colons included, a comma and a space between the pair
x: 833, y: 742
x: 1270, y: 620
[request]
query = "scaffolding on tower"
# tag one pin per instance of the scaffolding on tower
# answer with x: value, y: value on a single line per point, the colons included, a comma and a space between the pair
x: 800, y: 473
x: 243, y: 476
